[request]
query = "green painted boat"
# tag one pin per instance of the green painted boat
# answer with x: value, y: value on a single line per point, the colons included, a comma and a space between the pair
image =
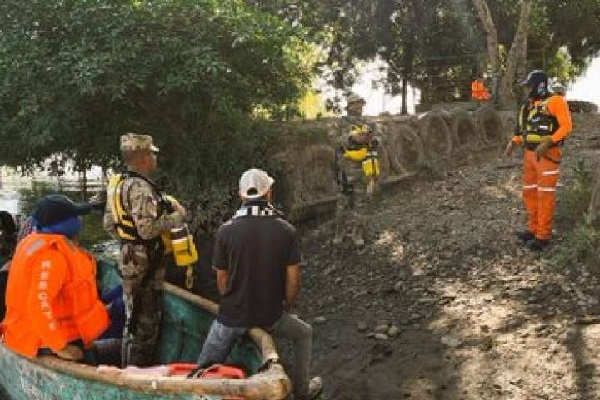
x: 187, y: 318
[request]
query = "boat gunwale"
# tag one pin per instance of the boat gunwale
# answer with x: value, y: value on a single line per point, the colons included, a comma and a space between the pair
x: 271, y: 384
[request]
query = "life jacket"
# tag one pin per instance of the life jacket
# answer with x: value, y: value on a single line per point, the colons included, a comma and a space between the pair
x: 357, y: 151
x: 536, y: 124
x: 125, y: 225
x: 43, y: 312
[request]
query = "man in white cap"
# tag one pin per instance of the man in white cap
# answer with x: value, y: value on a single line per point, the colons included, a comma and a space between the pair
x: 257, y: 261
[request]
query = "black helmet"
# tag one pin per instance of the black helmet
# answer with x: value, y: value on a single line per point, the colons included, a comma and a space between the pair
x: 537, y: 80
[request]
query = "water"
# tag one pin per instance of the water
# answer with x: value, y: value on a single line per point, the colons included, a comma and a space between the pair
x: 18, y: 196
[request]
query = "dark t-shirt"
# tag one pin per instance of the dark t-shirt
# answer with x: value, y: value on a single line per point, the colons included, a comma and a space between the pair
x: 255, y: 250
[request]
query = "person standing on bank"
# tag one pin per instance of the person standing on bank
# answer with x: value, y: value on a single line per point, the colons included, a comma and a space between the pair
x: 257, y: 261
x: 543, y: 123
x: 137, y: 215
x: 357, y: 172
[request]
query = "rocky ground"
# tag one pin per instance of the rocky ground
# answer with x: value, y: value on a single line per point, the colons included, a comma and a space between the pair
x: 443, y: 303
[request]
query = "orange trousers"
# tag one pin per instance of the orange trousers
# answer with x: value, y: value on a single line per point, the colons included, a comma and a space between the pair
x: 539, y: 190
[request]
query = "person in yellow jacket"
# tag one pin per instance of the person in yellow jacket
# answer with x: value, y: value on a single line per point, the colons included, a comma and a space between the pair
x: 543, y: 123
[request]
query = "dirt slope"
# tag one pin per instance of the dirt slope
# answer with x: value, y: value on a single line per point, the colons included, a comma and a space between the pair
x: 443, y: 303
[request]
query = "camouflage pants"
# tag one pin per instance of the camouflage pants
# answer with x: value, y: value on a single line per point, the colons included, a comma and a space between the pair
x: 143, y: 269
x: 353, y: 207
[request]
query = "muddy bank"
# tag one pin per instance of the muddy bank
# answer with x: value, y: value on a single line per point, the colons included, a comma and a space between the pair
x: 443, y: 303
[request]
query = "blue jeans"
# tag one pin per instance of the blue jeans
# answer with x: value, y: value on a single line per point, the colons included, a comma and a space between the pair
x: 221, y: 338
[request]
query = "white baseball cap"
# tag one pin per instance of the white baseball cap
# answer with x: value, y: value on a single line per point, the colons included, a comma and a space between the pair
x: 255, y: 183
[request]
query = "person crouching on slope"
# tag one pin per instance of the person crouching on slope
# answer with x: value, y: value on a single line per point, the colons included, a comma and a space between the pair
x: 543, y: 123
x: 51, y: 298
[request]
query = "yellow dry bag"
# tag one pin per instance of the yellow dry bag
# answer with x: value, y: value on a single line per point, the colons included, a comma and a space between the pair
x: 370, y: 165
x: 184, y: 248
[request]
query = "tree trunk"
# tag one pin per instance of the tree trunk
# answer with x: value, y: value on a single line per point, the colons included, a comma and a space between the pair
x: 404, y: 110
x: 484, y: 14
x: 519, y: 46
x: 407, y: 70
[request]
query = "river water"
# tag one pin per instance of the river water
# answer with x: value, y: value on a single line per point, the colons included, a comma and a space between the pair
x: 18, y: 195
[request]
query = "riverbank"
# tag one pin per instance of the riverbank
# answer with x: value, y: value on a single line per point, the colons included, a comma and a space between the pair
x: 443, y: 303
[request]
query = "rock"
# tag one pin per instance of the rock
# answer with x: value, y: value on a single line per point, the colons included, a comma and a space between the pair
x: 382, y: 328
x: 362, y: 326
x: 451, y: 342
x: 319, y: 320
x: 381, y: 336
x: 393, y: 331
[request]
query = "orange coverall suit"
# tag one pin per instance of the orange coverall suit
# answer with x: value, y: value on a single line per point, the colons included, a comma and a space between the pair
x: 51, y: 296
x: 478, y: 91
x: 540, y: 176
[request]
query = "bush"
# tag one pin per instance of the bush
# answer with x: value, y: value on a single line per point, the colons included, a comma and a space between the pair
x: 581, y: 240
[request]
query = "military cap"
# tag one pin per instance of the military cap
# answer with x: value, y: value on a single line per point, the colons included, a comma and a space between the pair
x: 355, y: 98
x: 134, y: 141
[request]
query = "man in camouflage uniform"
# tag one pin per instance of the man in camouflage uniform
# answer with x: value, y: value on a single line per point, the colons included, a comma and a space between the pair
x: 356, y: 190
x: 141, y: 217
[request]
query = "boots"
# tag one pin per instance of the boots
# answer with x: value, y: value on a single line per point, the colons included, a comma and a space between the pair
x: 357, y: 236
x: 338, y: 234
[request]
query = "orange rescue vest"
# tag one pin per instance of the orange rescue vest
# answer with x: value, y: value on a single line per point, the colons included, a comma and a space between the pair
x: 51, y: 296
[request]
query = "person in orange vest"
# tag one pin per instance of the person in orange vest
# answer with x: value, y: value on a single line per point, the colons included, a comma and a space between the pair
x: 52, y: 298
x: 478, y: 90
x: 543, y: 123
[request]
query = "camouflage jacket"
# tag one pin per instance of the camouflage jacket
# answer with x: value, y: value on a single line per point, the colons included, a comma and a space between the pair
x: 144, y: 204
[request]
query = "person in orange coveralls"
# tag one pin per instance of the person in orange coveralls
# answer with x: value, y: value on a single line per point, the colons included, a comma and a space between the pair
x: 543, y: 123
x: 478, y: 90
x: 52, y: 299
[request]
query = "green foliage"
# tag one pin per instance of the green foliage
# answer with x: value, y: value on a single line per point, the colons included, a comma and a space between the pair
x: 579, y: 247
x: 435, y: 44
x: 575, y: 199
x: 580, y: 243
x: 77, y: 74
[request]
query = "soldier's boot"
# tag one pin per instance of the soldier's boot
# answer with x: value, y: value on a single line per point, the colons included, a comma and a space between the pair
x: 338, y: 234
x: 357, y: 236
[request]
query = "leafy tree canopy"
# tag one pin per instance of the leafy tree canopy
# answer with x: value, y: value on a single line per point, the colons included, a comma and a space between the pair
x: 75, y: 74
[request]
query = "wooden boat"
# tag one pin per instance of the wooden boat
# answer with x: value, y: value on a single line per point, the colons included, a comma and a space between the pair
x: 187, y: 318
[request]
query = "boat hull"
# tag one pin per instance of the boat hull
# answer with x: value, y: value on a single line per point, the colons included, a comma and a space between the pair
x: 186, y: 320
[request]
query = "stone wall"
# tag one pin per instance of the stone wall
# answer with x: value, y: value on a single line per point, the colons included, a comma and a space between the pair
x: 306, y: 152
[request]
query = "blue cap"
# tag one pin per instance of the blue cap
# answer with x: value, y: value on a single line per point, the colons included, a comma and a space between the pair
x: 54, y: 208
